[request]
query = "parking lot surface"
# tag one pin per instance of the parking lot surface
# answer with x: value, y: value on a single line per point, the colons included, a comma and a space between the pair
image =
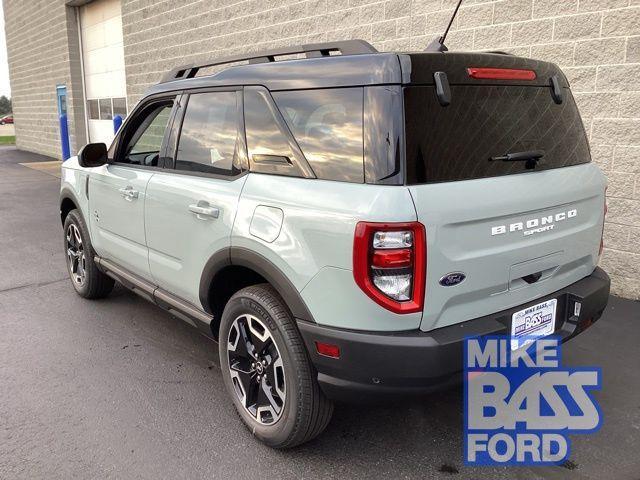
x: 118, y: 388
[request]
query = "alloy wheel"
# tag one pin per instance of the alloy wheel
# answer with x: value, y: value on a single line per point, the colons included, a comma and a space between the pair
x: 256, y: 368
x: 75, y: 254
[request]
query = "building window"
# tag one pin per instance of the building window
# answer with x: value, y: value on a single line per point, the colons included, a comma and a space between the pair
x: 120, y: 107
x: 105, y: 109
x: 94, y: 112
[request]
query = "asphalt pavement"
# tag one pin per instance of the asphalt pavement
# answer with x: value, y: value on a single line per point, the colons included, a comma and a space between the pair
x: 118, y: 388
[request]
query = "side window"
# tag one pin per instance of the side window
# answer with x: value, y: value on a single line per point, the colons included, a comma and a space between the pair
x: 209, y: 137
x: 268, y: 145
x: 327, y: 124
x: 142, y: 147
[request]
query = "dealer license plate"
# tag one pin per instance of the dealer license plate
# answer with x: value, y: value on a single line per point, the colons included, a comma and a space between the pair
x: 533, y: 322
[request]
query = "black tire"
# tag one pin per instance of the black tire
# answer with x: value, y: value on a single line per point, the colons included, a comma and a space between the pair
x: 94, y: 283
x: 306, y: 411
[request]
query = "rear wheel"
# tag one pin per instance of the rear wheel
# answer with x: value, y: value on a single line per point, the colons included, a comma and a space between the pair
x: 87, y: 280
x: 267, y: 371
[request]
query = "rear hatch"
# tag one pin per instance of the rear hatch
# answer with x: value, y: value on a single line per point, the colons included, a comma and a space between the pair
x: 516, y: 230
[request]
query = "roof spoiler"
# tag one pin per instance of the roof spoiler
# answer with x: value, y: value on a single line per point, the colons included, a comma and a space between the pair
x: 313, y: 50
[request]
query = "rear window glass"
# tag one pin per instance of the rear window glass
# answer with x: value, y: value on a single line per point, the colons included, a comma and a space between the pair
x: 456, y: 142
x: 263, y: 133
x: 209, y: 134
x: 267, y: 142
x: 327, y: 124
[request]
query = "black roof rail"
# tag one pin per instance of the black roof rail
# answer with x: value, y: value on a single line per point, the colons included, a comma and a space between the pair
x: 499, y: 52
x: 313, y: 50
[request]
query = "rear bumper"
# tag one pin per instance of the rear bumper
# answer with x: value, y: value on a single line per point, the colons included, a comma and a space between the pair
x: 379, y: 365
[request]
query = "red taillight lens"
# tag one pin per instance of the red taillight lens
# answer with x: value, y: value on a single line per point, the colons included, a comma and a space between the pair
x: 328, y: 350
x: 391, y: 258
x: 501, y: 74
x: 389, y: 264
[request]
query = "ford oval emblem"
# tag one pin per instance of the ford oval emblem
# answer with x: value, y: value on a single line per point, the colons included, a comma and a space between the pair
x: 452, y: 279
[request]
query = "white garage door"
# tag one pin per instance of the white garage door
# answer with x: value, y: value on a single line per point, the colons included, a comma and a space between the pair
x: 103, y: 56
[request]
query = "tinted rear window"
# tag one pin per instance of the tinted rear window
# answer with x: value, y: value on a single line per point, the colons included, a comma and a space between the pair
x: 456, y: 142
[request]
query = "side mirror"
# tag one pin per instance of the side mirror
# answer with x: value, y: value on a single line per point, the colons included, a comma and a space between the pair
x: 93, y: 155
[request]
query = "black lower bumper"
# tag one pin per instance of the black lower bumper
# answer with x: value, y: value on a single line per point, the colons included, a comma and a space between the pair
x: 379, y: 365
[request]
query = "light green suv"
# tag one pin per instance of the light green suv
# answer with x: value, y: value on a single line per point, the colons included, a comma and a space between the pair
x: 340, y: 223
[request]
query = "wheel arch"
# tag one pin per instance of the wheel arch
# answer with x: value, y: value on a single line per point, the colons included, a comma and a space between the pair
x: 229, y: 270
x: 68, y: 202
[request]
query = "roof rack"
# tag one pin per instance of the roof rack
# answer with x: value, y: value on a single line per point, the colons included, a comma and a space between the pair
x: 313, y: 50
x: 498, y: 52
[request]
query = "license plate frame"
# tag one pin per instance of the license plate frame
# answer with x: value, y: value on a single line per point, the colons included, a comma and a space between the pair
x: 533, y: 322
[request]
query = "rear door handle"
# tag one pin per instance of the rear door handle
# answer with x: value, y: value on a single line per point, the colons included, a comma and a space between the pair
x: 203, y: 210
x: 129, y: 193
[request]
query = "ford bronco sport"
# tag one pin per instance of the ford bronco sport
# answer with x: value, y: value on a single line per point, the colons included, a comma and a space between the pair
x: 340, y: 223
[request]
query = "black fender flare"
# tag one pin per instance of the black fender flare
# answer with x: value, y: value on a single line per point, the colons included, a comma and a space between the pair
x: 258, y: 263
x: 68, y: 194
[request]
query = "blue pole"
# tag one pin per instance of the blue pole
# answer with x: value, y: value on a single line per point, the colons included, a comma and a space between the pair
x: 117, y: 123
x: 64, y: 137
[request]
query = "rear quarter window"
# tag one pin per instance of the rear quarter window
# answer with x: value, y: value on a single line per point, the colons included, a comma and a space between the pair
x: 271, y: 148
x: 327, y: 124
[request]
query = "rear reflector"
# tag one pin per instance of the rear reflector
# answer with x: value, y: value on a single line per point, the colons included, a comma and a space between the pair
x: 501, y: 74
x: 328, y: 350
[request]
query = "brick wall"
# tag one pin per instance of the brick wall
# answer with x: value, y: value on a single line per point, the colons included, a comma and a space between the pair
x: 596, y: 42
x: 42, y: 51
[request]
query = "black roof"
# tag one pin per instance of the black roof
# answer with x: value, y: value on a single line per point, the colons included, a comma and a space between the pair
x: 359, y: 64
x: 334, y: 71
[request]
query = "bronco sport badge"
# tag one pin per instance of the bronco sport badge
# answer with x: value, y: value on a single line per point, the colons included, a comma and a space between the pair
x: 534, y: 225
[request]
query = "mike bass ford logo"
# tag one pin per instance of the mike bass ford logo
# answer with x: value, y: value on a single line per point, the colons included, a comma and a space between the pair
x: 521, y: 404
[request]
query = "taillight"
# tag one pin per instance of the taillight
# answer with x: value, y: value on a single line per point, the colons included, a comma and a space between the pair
x: 389, y: 264
x: 501, y: 74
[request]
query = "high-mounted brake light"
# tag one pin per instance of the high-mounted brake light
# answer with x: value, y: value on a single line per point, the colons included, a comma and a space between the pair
x: 389, y: 264
x: 480, y: 73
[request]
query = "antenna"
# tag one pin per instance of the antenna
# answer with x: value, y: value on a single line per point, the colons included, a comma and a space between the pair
x: 437, y: 44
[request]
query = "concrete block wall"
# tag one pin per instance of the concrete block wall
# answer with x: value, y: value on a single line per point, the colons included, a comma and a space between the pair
x: 42, y: 50
x: 596, y: 42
